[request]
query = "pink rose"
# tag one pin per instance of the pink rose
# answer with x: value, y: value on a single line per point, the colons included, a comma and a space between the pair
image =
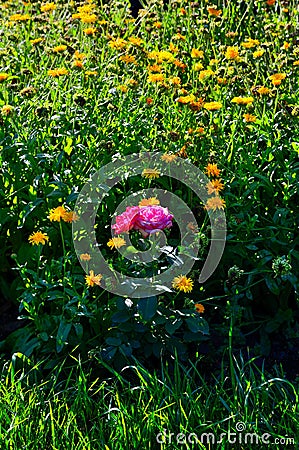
x: 125, y: 221
x: 151, y: 219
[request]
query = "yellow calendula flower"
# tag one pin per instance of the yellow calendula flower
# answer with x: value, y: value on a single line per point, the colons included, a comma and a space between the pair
x: 38, y: 238
x: 59, y: 48
x: 243, y: 100
x: 128, y: 59
x: 46, y: 7
x: 250, y: 43
x: 155, y: 78
x: 204, y: 74
x: 116, y: 242
x: 214, y: 203
x: 186, y: 99
x: 182, y: 283
x: 56, y: 214
x: 19, y: 17
x: 7, y: 110
x: 262, y: 90
x: 149, y: 201
x: 117, y: 43
x: 93, y: 279
x: 150, y: 173
x: 258, y: 53
x: 135, y: 41
x: 36, y: 41
x: 212, y: 106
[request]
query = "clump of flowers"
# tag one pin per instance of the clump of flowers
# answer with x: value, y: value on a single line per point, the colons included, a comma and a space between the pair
x: 281, y: 266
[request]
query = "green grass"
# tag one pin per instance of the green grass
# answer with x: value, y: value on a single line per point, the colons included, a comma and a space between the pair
x: 128, y: 410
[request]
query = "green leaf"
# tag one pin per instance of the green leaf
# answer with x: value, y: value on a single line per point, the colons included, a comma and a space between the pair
x: 62, y: 334
x: 147, y: 307
x: 197, y: 324
x: 173, y: 325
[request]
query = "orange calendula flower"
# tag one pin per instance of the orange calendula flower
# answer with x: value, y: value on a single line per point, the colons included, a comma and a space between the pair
x: 212, y: 170
x: 212, y: 106
x: 277, y: 78
x: 149, y: 201
x: 90, y: 31
x: 213, y: 11
x: 243, y: 100
x: 186, y: 99
x: 215, y: 203
x: 57, y: 72
x: 3, y: 76
x: 214, y: 186
x: 85, y: 257
x: 70, y: 216
x: 128, y: 59
x: 168, y: 157
x: 116, y: 242
x: 93, y: 279
x: 249, y: 118
x: 56, y: 214
x: 232, y: 53
x: 196, y: 53
x: 199, y: 308
x: 270, y: 2
x: 182, y: 283
x: 150, y: 173
x: 38, y: 238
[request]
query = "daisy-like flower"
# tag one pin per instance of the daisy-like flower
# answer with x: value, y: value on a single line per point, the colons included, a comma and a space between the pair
x: 214, y: 203
x: 38, y: 238
x: 56, y: 214
x: 93, y: 279
x: 6, y: 110
x: 263, y: 90
x: 186, y: 99
x: 128, y: 59
x: 117, y: 43
x: 232, y: 53
x: 249, y: 118
x: 213, y: 11
x: 212, y: 170
x: 149, y: 201
x: 212, y: 106
x: 204, y: 74
x: 116, y: 242
x: 199, y: 308
x: 70, y: 216
x: 258, y: 53
x: 196, y: 53
x: 214, y: 186
x: 243, y: 100
x: 90, y: 31
x: 150, y: 173
x: 168, y: 157
x: 277, y: 78
x: 59, y: 48
x: 135, y: 41
x: 182, y: 283
x: 57, y: 72
x: 85, y: 257
x: 249, y: 43
x: 36, y: 41
x: 155, y: 78
x: 48, y: 7
x: 19, y: 17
